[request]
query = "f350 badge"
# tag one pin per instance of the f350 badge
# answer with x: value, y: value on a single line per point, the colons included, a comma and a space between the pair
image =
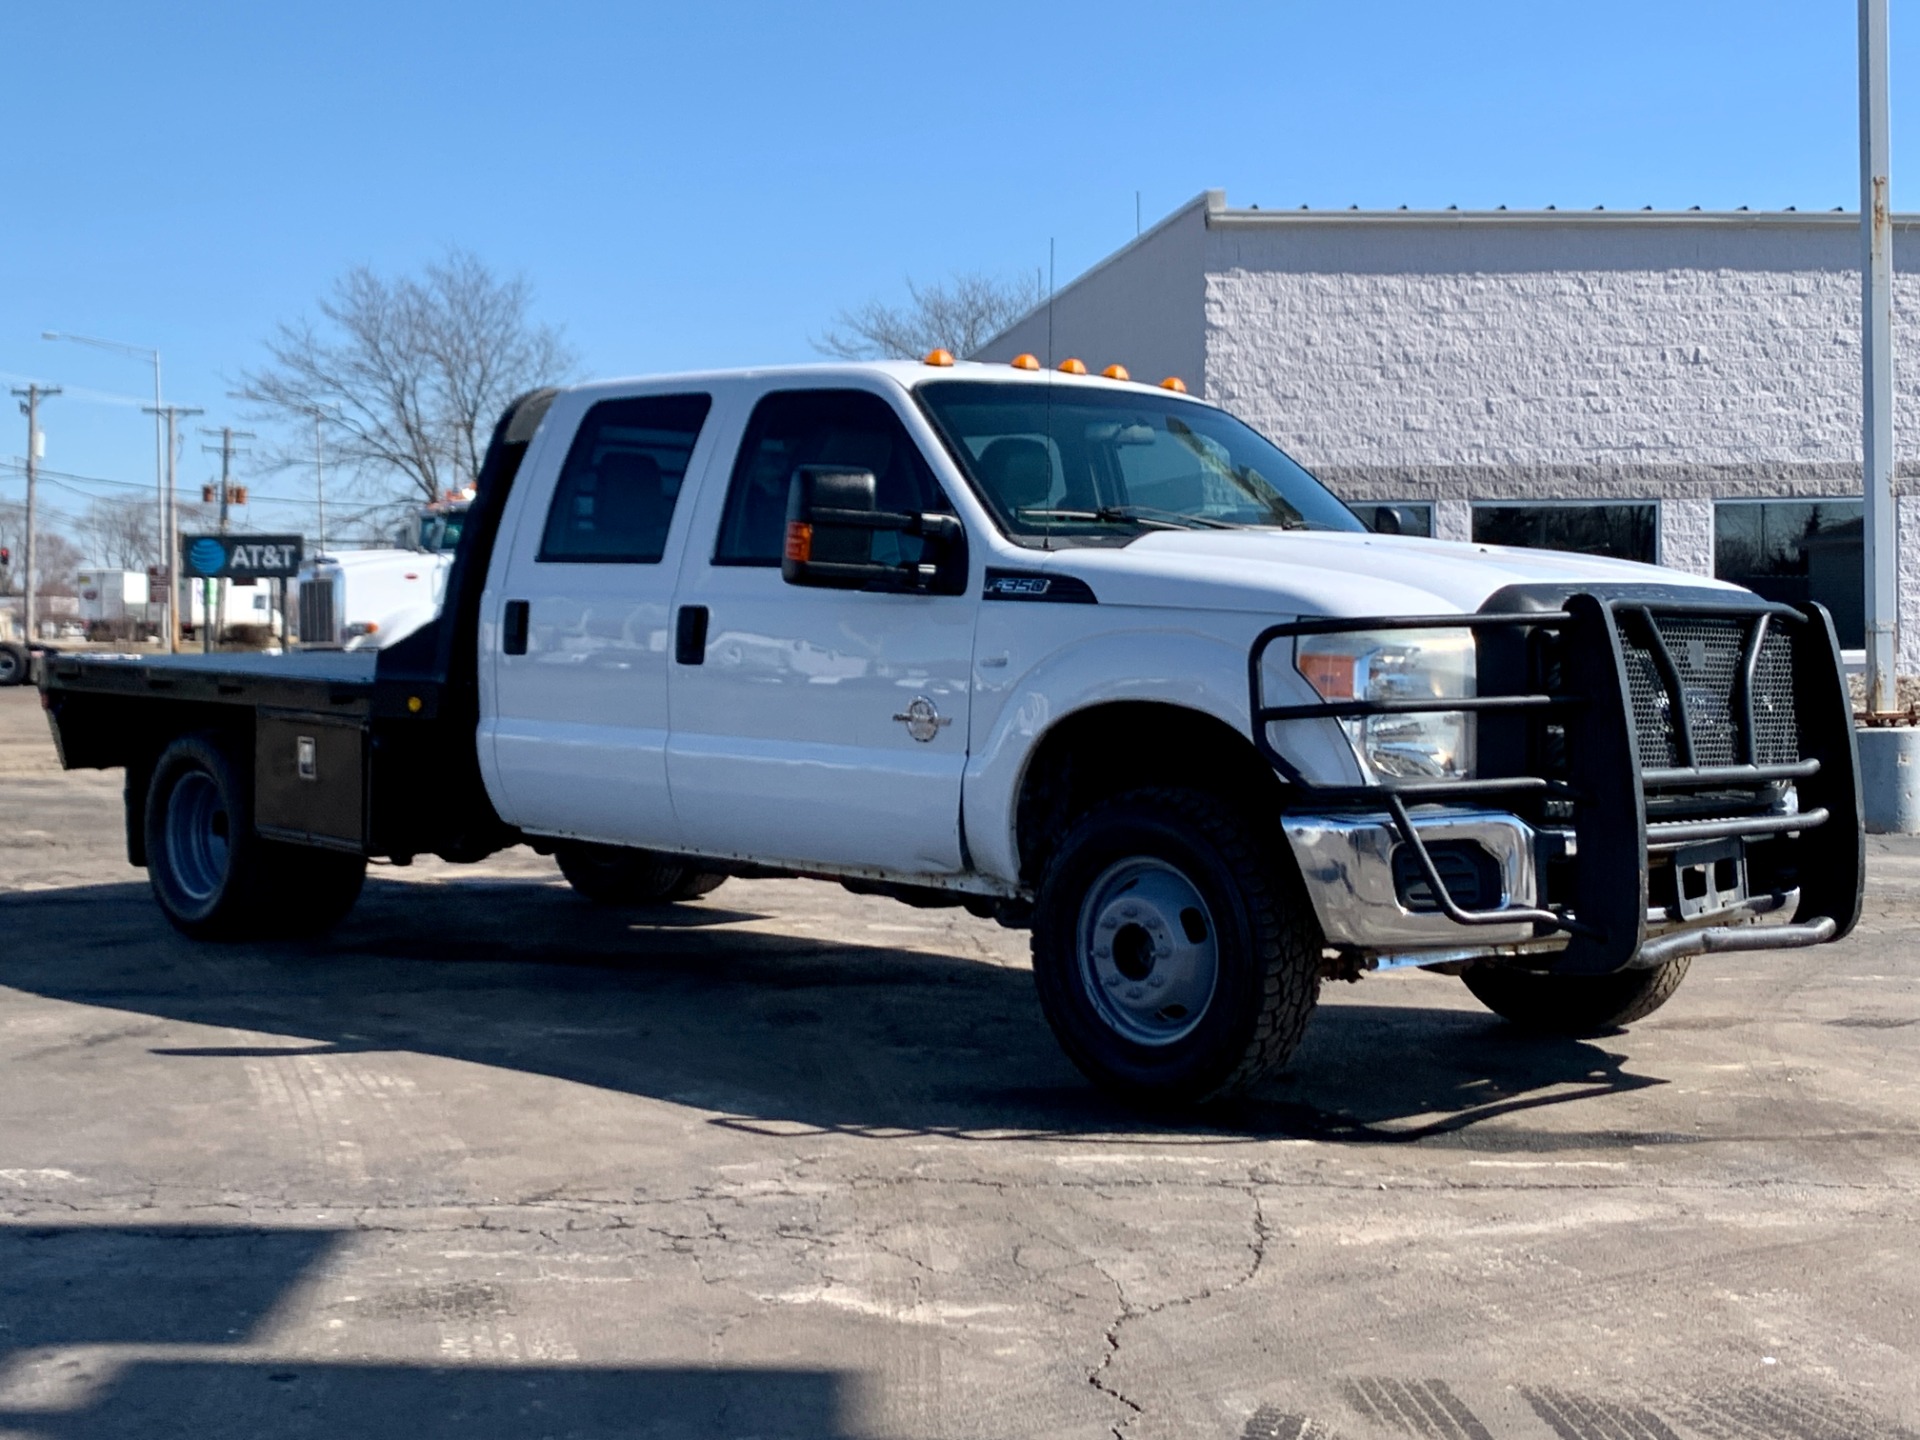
x: 922, y: 720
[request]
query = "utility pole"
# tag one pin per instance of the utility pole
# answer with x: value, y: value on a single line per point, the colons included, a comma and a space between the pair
x: 30, y: 407
x: 227, y: 435
x: 1876, y: 357
x: 170, y: 517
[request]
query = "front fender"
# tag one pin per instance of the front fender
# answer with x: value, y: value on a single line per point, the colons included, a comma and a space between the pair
x: 1035, y: 668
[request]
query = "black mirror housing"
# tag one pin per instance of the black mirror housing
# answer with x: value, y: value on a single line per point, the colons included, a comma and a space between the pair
x: 832, y: 516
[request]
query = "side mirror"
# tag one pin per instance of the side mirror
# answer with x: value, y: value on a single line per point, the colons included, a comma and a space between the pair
x: 1386, y: 520
x: 833, y: 518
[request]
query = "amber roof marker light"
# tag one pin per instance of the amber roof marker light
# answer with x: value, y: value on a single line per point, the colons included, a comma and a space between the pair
x: 1026, y: 362
x: 1073, y: 367
x: 1175, y: 383
x: 939, y: 357
x: 1116, y: 372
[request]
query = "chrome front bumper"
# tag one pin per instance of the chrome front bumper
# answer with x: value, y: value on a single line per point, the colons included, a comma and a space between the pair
x: 1347, y: 863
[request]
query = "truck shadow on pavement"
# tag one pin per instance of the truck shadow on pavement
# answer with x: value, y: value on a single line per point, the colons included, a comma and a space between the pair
x: 776, y: 1033
x: 140, y: 1332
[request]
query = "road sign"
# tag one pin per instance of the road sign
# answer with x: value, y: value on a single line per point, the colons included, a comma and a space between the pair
x: 156, y: 575
x: 240, y: 557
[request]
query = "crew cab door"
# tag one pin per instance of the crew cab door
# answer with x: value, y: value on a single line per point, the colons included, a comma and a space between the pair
x: 816, y: 725
x: 575, y: 721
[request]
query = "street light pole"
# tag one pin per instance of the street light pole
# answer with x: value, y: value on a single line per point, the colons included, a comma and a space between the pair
x: 170, y: 538
x: 1876, y: 358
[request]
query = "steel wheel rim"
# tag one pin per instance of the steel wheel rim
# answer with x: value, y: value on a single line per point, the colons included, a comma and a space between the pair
x: 1149, y: 951
x: 198, y: 842
x: 9, y: 667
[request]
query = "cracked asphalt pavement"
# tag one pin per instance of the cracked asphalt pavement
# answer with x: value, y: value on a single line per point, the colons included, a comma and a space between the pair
x: 791, y: 1162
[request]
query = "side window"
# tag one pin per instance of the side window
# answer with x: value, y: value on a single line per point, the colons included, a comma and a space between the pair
x: 791, y: 428
x: 616, y: 493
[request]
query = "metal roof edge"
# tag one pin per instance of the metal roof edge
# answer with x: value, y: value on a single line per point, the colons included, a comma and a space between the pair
x: 1210, y: 202
x: 1225, y: 219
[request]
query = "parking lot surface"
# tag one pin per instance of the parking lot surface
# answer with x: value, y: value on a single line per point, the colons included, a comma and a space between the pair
x: 789, y: 1162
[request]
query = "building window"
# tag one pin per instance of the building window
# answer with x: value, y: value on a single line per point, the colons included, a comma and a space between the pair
x: 1796, y: 551
x: 1625, y: 531
x: 1396, y: 519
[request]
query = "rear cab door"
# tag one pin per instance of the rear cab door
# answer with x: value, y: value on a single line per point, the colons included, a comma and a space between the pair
x: 575, y: 640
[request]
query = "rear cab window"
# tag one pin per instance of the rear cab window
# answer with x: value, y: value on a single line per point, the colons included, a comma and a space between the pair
x: 615, y: 498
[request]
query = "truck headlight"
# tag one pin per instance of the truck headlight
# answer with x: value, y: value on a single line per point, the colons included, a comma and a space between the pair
x: 1398, y: 665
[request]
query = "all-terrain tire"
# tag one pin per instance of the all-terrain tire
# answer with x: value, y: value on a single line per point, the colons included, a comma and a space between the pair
x: 204, y: 862
x: 1198, y: 873
x: 14, y: 668
x: 612, y: 875
x: 215, y: 879
x: 1575, y: 1005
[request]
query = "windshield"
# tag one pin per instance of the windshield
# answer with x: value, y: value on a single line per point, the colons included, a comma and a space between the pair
x: 440, y: 529
x: 1068, y: 465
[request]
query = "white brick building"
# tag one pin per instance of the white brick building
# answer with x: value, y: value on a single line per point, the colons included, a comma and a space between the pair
x: 1480, y: 370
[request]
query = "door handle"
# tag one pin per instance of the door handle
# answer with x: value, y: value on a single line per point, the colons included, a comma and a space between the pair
x: 513, y: 628
x: 690, y: 635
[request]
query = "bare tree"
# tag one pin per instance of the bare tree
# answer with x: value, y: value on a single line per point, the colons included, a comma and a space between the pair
x: 119, y: 534
x: 960, y: 314
x: 57, y: 560
x: 407, y: 375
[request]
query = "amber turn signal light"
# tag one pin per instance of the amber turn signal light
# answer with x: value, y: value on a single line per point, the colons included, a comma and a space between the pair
x: 1073, y: 367
x: 1026, y: 362
x: 1174, y: 382
x: 939, y: 357
x: 799, y: 541
x: 1116, y: 372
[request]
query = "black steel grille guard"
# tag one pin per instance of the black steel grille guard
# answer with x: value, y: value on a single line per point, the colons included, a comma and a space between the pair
x: 1586, y: 691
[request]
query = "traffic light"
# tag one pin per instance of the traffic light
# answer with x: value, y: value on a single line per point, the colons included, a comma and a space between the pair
x: 239, y: 494
x: 206, y: 494
x: 6, y: 557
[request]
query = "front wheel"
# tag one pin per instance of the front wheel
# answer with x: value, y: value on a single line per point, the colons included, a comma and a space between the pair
x: 13, y: 663
x: 1575, y: 1005
x: 613, y: 875
x: 1176, y: 955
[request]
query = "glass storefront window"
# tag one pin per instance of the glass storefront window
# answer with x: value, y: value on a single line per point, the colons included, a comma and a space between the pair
x: 1626, y: 531
x: 1796, y: 551
x: 1393, y: 519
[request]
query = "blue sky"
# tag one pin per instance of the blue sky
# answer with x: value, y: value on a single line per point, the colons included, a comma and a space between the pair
x: 707, y: 184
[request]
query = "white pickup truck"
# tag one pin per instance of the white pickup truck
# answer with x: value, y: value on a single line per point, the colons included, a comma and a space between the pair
x: 1084, y: 655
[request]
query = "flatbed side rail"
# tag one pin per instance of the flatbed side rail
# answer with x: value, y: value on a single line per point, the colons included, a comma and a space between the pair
x: 1711, y: 759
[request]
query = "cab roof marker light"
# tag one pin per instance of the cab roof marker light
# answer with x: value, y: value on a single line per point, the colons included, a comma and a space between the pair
x: 1116, y: 372
x: 1026, y: 362
x: 1174, y: 383
x: 939, y: 357
x: 1071, y: 366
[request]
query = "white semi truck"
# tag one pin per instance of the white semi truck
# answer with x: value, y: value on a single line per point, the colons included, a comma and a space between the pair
x: 1085, y: 655
x: 368, y: 599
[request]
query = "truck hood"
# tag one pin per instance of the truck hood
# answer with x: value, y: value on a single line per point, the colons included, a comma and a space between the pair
x: 1320, y: 572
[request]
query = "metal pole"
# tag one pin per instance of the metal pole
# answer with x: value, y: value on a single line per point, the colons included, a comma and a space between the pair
x: 319, y: 483
x: 159, y: 481
x: 170, y: 415
x: 1876, y: 356
x: 30, y: 407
